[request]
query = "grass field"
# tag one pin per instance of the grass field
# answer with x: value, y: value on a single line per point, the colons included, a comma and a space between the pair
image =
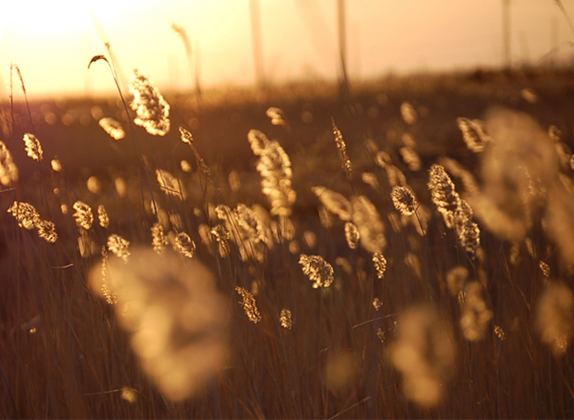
x: 411, y: 252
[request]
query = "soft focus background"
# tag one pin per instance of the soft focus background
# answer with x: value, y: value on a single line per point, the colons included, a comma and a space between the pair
x: 52, y: 42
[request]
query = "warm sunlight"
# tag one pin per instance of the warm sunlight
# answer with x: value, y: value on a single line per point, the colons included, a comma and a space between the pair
x: 52, y: 41
x: 313, y: 209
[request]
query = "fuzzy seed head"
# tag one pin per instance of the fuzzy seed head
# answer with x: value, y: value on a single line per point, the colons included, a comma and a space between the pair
x: 33, y: 147
x: 47, y: 231
x: 151, y: 108
x: 25, y: 214
x: 249, y: 304
x: 158, y: 239
x: 285, y: 319
x: 319, y: 271
x: 380, y: 264
x: 83, y: 215
x: 8, y: 169
x: 342, y: 148
x: 334, y: 202
x: 404, y: 200
x: 113, y: 128
x: 103, y: 217
x: 119, y: 246
x: 184, y: 245
x: 352, y: 235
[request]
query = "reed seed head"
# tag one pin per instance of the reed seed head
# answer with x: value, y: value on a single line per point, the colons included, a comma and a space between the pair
x: 411, y: 158
x: 8, y: 169
x: 277, y: 116
x: 474, y: 134
x: 56, y: 165
x: 169, y: 184
x: 158, y: 239
x: 456, y: 279
x: 175, y: 317
x: 404, y: 200
x: 151, y: 108
x: 342, y: 148
x: 443, y: 193
x: 369, y: 223
x: 409, y: 114
x: 334, y: 202
x: 475, y: 314
x: 47, y: 230
x: 83, y: 215
x: 352, y: 235
x: 285, y: 319
x: 184, y: 245
x: 113, y: 128
x: 319, y: 271
x: 119, y: 246
x: 249, y: 304
x: 33, y: 147
x: 555, y: 317
x: 380, y: 264
x: 103, y: 217
x: 25, y: 214
x: 424, y: 354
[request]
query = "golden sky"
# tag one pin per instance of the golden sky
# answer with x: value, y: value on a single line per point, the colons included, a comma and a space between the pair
x: 53, y: 41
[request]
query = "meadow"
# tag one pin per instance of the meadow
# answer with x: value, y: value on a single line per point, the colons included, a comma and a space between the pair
x: 404, y: 251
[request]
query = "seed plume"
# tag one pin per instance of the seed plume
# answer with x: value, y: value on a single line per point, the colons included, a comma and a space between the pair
x: 113, y: 128
x: 342, y: 148
x: 174, y: 315
x: 83, y: 215
x: 151, y: 108
x: 119, y: 246
x: 33, y: 147
x: 475, y: 314
x: 158, y: 239
x: 184, y: 245
x: 25, y: 214
x: 424, y: 354
x: 404, y: 200
x: 443, y: 193
x: 369, y: 223
x: 274, y: 166
x: 47, y: 230
x: 474, y: 134
x: 285, y: 319
x: 555, y: 317
x: 319, y: 271
x: 277, y: 116
x: 334, y: 202
x: 169, y: 184
x: 409, y: 114
x: 187, y: 138
x: 103, y: 218
x: 352, y: 235
x: 8, y: 169
x: 249, y: 304
x: 380, y: 264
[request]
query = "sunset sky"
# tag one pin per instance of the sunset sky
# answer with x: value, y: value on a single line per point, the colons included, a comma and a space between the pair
x: 52, y: 42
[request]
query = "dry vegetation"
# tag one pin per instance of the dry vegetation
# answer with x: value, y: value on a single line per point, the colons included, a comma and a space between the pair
x: 406, y: 253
